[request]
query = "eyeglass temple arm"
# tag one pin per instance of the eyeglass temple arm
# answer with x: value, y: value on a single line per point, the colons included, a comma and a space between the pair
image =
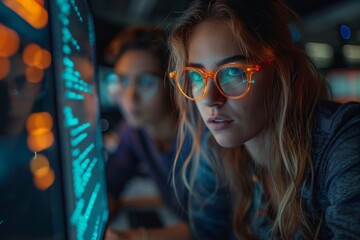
x: 172, y: 75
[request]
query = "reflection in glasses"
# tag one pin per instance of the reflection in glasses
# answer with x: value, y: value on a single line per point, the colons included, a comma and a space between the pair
x: 233, y: 80
x: 145, y: 85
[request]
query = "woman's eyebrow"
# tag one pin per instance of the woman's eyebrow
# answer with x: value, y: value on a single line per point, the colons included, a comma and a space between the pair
x: 195, y: 65
x: 235, y: 58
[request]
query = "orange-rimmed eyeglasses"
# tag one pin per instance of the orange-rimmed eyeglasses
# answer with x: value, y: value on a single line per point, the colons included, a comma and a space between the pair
x: 233, y: 80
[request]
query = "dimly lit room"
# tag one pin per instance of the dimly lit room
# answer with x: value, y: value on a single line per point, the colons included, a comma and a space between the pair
x: 179, y: 120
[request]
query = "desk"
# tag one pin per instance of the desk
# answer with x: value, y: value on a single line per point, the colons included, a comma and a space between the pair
x: 142, y: 194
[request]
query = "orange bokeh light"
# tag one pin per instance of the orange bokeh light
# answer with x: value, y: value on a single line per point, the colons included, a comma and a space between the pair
x: 30, y: 10
x: 41, y: 2
x: 45, y: 180
x: 40, y: 120
x: 4, y: 67
x: 39, y: 165
x: 40, y: 142
x: 9, y: 41
x: 32, y: 54
x: 34, y: 75
x: 40, y: 135
x: 45, y: 60
x: 35, y: 56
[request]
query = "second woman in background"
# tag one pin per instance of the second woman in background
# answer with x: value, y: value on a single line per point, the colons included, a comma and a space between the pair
x: 148, y: 133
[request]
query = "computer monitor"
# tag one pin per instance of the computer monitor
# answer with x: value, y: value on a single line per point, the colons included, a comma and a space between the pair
x: 52, y: 177
x: 108, y: 89
x: 344, y: 84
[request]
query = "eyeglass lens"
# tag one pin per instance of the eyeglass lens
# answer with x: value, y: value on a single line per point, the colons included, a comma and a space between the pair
x: 232, y: 80
x: 146, y: 84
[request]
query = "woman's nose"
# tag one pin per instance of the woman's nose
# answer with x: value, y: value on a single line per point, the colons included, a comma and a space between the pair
x: 213, y: 96
x: 130, y: 92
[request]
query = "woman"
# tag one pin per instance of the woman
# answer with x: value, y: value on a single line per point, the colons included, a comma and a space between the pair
x: 279, y: 161
x: 148, y: 134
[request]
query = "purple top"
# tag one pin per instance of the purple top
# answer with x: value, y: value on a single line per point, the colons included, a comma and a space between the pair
x: 136, y: 146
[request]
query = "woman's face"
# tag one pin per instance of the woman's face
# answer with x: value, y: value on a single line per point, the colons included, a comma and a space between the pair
x: 232, y: 122
x: 141, y: 93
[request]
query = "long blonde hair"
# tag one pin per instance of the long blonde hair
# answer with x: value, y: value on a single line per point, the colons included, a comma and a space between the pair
x: 261, y: 28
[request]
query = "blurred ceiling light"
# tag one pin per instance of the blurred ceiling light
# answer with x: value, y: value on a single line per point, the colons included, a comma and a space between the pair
x: 295, y: 32
x: 345, y: 31
x: 30, y: 10
x: 321, y: 53
x: 352, y: 53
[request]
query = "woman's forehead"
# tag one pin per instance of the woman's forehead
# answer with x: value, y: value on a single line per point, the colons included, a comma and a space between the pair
x: 211, y: 42
x: 138, y: 61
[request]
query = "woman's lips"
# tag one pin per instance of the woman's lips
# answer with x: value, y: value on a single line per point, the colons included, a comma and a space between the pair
x: 218, y: 123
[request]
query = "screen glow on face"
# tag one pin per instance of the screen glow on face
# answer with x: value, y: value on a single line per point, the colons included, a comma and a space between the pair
x: 146, y: 84
x: 233, y: 80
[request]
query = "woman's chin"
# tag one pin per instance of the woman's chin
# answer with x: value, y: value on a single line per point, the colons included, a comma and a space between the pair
x: 225, y: 142
x: 135, y: 122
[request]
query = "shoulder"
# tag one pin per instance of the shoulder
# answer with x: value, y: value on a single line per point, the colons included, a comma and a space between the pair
x: 337, y: 166
x: 334, y: 123
x: 336, y: 139
x: 332, y: 116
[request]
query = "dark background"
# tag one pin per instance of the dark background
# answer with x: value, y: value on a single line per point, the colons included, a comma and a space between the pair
x: 320, y: 18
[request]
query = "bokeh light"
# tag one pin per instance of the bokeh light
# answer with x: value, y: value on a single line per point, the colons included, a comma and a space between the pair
x: 41, y: 141
x: 345, y: 31
x: 40, y: 2
x: 4, y: 67
x: 40, y: 135
x: 45, y: 60
x: 32, y: 54
x: 34, y: 75
x: 35, y: 56
x: 45, y: 180
x: 30, y: 10
x: 39, y: 164
x: 38, y: 121
x: 9, y: 41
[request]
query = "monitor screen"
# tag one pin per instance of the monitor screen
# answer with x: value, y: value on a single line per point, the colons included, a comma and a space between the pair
x: 52, y: 177
x: 344, y: 84
x: 108, y: 87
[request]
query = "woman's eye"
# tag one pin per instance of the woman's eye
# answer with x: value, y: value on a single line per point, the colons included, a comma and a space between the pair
x: 124, y: 81
x: 233, y: 71
x: 148, y: 81
x: 195, y: 76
